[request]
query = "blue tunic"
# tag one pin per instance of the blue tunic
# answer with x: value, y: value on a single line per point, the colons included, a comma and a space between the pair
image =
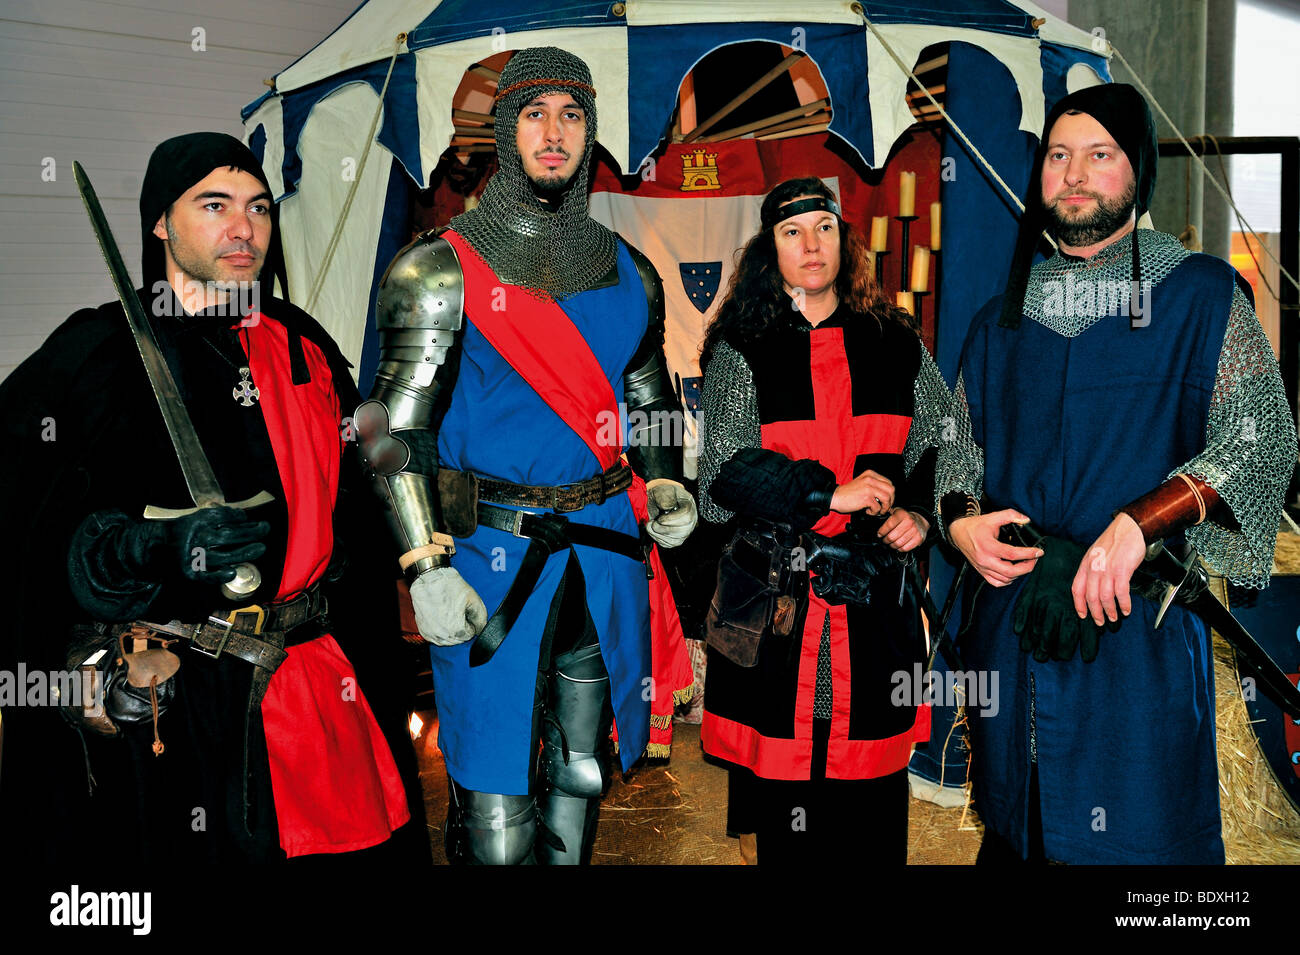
x: 497, y: 426
x: 1074, y: 429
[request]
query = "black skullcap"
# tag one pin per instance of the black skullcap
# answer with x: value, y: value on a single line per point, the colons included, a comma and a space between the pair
x: 1123, y: 112
x: 175, y: 166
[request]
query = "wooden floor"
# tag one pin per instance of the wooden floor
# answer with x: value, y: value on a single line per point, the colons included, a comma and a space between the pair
x: 673, y: 812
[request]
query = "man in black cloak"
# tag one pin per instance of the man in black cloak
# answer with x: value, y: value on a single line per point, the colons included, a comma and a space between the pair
x: 270, y: 730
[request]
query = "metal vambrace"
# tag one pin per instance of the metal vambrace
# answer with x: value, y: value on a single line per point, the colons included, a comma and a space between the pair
x: 573, y: 754
x: 419, y: 316
x: 655, y: 416
x: 489, y: 828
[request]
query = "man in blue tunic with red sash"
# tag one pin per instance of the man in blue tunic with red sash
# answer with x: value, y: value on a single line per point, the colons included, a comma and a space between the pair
x: 514, y: 346
x: 1118, y: 394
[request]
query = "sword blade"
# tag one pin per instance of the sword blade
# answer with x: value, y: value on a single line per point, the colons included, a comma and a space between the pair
x: 199, y: 476
x: 1272, y: 679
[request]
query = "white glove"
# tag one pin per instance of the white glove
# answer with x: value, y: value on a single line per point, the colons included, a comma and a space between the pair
x: 672, y: 512
x: 447, y: 610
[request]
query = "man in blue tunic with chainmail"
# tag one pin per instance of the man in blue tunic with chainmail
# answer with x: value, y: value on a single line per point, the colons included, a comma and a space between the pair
x: 1118, y: 394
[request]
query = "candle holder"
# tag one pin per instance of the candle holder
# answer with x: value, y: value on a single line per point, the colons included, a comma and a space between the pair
x: 919, y: 299
x: 880, y: 267
x: 905, y: 265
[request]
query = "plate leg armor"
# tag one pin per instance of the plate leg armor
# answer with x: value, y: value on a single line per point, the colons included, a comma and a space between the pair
x: 490, y: 829
x: 574, y: 739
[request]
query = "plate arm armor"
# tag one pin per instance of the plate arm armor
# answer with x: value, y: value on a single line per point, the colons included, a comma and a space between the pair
x: 654, y: 415
x: 420, y: 317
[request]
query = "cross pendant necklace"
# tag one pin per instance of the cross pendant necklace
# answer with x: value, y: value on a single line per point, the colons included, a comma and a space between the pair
x: 246, y: 392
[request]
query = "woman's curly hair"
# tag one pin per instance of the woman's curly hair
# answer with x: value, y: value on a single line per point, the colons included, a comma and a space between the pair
x: 756, y: 299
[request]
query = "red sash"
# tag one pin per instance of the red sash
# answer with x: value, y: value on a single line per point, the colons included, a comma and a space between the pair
x: 561, y: 368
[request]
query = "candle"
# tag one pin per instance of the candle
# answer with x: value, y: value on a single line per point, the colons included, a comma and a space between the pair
x: 920, y: 268
x: 934, y: 226
x: 906, y: 301
x: 871, y: 264
x: 879, y: 233
x: 907, y: 193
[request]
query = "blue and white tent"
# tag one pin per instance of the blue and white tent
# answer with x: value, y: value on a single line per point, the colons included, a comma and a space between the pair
x: 1009, y: 62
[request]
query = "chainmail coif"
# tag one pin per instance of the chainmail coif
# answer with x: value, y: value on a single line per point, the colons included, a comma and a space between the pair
x: 559, y: 253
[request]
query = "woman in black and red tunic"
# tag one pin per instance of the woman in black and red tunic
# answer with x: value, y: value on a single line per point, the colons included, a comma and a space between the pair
x: 809, y: 364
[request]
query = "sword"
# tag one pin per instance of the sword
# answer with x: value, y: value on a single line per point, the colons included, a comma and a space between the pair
x: 199, y: 476
x: 1186, y: 582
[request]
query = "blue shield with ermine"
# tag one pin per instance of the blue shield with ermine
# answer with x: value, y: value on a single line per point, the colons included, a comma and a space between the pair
x: 700, y: 279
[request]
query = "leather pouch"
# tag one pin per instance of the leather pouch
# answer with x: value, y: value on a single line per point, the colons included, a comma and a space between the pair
x: 458, y: 499
x: 127, y: 677
x: 759, y: 598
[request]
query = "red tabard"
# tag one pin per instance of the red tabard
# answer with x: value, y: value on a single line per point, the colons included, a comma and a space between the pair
x: 335, y: 784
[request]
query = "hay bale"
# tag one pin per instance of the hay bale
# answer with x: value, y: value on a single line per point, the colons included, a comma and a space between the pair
x: 1260, y: 824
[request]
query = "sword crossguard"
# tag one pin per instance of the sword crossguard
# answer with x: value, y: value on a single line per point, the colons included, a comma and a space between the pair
x: 155, y: 513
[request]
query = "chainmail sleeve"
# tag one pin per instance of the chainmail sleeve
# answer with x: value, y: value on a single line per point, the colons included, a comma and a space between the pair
x: 931, y: 410
x: 960, y: 467
x: 1249, y: 454
x: 729, y: 405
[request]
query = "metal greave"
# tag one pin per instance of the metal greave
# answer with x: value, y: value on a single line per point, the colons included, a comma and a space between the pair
x: 574, y: 739
x: 490, y: 828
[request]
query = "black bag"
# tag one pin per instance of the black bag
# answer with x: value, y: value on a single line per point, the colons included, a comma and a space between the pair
x: 762, y: 594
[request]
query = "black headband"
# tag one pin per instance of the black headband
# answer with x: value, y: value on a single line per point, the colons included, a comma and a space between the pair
x: 800, y: 206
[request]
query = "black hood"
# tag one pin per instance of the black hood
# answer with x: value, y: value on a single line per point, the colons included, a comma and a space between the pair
x: 1124, y: 114
x: 175, y: 166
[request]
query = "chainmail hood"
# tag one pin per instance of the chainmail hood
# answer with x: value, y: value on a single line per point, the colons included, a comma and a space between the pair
x: 558, y: 253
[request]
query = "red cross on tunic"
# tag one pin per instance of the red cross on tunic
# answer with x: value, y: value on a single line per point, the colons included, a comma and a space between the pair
x: 835, y: 436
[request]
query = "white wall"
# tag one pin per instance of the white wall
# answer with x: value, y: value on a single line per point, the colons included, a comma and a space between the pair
x: 1267, y: 103
x: 103, y: 83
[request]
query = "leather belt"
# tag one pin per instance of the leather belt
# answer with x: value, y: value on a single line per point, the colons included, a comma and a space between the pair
x: 562, y: 498
x: 254, y: 634
x: 546, y: 534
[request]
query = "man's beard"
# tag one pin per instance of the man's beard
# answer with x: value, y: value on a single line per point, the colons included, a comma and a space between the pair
x: 552, y: 191
x: 1104, y: 221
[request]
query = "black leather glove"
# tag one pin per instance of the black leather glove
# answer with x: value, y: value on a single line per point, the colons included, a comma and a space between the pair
x: 204, y: 546
x: 758, y: 482
x: 1045, y: 618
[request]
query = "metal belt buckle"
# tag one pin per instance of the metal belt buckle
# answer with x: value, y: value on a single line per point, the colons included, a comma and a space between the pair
x: 228, y: 623
x: 519, y: 523
x: 221, y: 644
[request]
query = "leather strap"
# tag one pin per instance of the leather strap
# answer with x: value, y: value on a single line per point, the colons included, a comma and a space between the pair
x: 547, y: 534
x: 1179, y: 503
x: 563, y: 498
